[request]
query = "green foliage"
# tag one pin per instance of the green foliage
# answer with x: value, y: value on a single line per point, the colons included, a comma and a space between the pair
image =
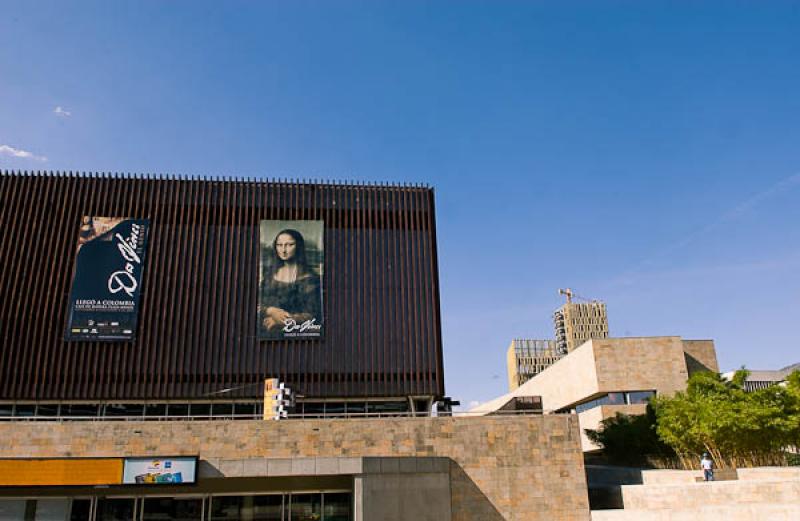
x: 713, y: 415
x: 735, y: 427
x: 630, y: 440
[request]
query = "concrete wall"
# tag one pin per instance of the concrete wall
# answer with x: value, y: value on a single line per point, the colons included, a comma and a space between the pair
x: 399, y: 489
x: 640, y: 364
x: 558, y: 385
x: 615, y: 364
x: 700, y: 356
x: 502, y: 468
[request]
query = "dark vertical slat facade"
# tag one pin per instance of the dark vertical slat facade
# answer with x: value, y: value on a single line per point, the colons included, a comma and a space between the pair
x: 197, y: 335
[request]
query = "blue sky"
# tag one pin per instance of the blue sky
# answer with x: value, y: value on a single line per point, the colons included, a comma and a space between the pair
x: 643, y: 153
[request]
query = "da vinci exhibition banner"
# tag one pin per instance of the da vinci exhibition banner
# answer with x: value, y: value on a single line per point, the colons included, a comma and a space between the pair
x: 107, y: 281
x: 290, y: 279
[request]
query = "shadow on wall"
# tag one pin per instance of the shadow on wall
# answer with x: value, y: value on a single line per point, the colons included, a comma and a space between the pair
x: 693, y: 365
x: 466, y: 499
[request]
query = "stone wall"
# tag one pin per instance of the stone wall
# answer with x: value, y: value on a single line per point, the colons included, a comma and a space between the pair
x: 646, y: 363
x: 503, y: 468
x: 700, y: 356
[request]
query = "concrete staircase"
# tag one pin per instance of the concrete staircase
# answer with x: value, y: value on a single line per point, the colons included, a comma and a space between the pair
x: 766, y: 493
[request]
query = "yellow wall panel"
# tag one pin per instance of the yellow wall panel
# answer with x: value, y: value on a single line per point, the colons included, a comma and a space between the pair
x: 33, y: 472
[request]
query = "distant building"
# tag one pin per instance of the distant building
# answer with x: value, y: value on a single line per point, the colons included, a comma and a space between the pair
x: 527, y: 357
x: 605, y: 376
x: 577, y: 322
x: 761, y: 379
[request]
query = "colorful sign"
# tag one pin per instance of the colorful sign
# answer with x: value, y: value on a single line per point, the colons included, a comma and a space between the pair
x: 107, y: 281
x: 159, y: 471
x: 290, y: 280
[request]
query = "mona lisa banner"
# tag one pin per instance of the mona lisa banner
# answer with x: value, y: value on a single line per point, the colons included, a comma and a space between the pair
x: 107, y: 282
x: 290, y: 280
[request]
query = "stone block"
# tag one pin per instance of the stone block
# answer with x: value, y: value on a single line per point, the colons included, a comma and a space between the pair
x: 304, y: 466
x: 255, y: 467
x: 327, y: 466
x: 279, y: 467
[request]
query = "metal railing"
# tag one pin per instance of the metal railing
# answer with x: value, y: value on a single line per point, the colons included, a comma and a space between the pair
x: 299, y: 416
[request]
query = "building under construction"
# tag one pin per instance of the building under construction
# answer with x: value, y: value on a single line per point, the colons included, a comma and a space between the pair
x: 527, y: 357
x: 575, y: 323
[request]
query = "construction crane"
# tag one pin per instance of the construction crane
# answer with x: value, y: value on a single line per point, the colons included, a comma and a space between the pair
x: 571, y: 294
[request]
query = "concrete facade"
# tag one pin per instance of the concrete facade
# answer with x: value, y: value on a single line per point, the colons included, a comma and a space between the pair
x: 484, y: 468
x: 614, y: 365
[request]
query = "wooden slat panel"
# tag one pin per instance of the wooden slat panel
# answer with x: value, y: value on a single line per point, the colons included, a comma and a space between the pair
x: 197, y: 324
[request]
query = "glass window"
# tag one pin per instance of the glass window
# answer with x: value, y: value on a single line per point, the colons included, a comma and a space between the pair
x: 6, y: 409
x: 178, y: 409
x: 334, y: 409
x: 222, y: 409
x: 356, y: 408
x: 47, y: 409
x: 252, y: 508
x: 172, y: 509
x: 114, y: 509
x: 79, y: 409
x: 387, y: 408
x: 615, y: 399
x: 80, y: 510
x: 155, y: 409
x: 313, y: 409
x: 201, y: 409
x: 245, y: 408
x: 25, y: 410
x: 640, y: 396
x: 337, y: 507
x: 51, y: 509
x: 12, y: 509
x: 124, y: 409
x: 306, y: 507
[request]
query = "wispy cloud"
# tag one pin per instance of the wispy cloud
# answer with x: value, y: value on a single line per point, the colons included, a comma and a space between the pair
x: 731, y: 215
x: 19, y: 153
x: 62, y: 112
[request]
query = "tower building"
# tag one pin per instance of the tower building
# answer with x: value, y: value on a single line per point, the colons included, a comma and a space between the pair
x: 577, y: 322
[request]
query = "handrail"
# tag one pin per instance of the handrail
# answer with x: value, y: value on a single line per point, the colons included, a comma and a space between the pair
x: 305, y: 416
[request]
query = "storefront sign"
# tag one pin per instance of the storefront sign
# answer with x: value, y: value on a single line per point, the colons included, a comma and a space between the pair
x: 159, y: 471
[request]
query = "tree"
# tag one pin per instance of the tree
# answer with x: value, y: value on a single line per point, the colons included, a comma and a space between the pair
x: 630, y: 440
x: 735, y: 427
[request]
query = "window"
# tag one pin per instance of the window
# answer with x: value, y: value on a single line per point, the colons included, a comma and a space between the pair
x: 172, y: 509
x: 79, y: 409
x: 178, y: 409
x: 81, y: 509
x: 639, y: 396
x: 201, y: 409
x: 253, y: 508
x: 616, y: 398
x: 337, y: 506
x: 124, y: 409
x: 25, y: 410
x: 51, y: 509
x: 155, y: 409
x: 12, y: 509
x: 114, y: 509
x: 306, y: 507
